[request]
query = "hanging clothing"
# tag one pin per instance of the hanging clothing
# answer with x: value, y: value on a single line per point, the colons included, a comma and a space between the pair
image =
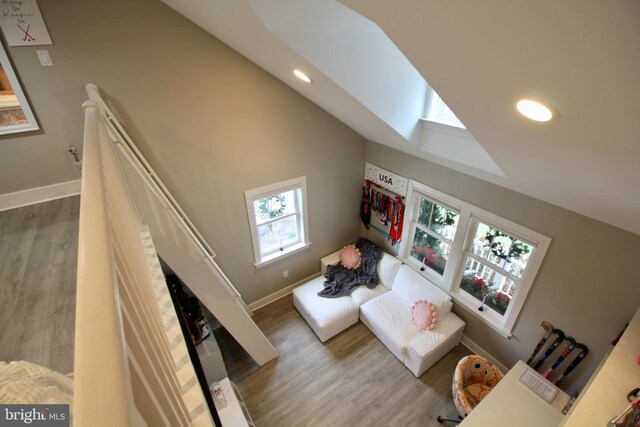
x: 389, y: 210
x: 395, y: 232
x: 365, y: 206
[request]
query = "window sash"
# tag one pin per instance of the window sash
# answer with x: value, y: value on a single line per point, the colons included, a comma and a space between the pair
x: 280, y: 218
x: 435, y: 202
x: 492, y: 266
x: 423, y: 263
x: 298, y: 239
x: 417, y: 192
x: 296, y: 202
x: 432, y: 234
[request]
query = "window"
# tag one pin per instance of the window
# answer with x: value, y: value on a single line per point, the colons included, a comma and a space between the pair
x: 278, y: 220
x: 494, y: 263
x: 433, y: 232
x: 439, y: 112
x: 485, y: 262
x: 16, y: 112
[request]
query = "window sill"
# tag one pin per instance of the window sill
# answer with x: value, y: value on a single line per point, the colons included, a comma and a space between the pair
x: 441, y: 126
x: 282, y: 254
x: 427, y: 273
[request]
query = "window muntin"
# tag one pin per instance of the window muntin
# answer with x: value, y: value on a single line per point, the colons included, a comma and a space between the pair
x: 434, y: 231
x: 494, y: 265
x: 278, y: 220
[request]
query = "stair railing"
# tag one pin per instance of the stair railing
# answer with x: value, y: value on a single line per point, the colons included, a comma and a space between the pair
x: 131, y: 365
x: 144, y: 170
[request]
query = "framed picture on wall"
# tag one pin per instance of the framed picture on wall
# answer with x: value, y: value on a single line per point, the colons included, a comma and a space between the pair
x: 15, y: 112
x: 22, y: 23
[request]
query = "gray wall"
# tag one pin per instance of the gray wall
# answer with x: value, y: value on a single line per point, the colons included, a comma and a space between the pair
x: 214, y: 125
x: 587, y: 285
x: 210, y: 122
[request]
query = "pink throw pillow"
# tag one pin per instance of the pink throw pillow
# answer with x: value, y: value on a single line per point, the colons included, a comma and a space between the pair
x: 423, y: 315
x: 350, y: 257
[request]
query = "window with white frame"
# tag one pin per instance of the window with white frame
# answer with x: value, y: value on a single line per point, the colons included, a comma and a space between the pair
x: 433, y: 231
x: 485, y: 262
x: 494, y: 264
x: 438, y: 111
x: 277, y: 219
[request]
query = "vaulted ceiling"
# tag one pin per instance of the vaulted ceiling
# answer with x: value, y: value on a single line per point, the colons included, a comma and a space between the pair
x: 580, y: 56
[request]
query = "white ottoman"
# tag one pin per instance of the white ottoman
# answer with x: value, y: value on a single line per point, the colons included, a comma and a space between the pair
x: 326, y: 316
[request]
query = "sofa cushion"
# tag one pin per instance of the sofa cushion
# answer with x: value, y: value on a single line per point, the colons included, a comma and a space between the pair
x: 363, y: 294
x: 388, y: 269
x: 326, y: 316
x: 430, y: 346
x: 389, y: 319
x: 331, y: 259
x: 410, y: 286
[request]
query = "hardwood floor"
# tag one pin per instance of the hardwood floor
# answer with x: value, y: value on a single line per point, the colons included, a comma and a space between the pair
x: 351, y: 380
x: 38, y: 254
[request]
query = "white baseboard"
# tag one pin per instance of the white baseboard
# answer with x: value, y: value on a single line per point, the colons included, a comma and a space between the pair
x: 473, y: 346
x: 280, y: 294
x: 39, y: 195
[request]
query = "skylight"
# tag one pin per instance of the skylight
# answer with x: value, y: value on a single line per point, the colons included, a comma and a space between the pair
x: 344, y: 50
x: 438, y: 111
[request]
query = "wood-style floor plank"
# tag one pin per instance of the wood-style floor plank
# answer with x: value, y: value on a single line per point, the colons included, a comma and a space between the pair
x: 38, y: 257
x: 351, y: 380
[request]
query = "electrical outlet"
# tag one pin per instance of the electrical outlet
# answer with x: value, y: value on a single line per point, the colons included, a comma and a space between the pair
x: 285, y: 273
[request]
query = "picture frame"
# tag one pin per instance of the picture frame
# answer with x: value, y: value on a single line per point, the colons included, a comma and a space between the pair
x: 15, y: 112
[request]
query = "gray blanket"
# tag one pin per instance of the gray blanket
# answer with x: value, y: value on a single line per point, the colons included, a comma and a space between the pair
x: 342, y: 281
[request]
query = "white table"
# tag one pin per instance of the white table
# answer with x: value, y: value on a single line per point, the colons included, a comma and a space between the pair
x: 606, y: 393
x: 511, y: 403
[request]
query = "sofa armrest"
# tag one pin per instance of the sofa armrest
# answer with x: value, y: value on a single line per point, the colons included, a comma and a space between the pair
x: 430, y: 346
x: 330, y: 259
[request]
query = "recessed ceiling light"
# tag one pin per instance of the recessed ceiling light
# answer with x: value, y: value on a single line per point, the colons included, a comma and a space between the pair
x: 534, y: 110
x: 302, y: 76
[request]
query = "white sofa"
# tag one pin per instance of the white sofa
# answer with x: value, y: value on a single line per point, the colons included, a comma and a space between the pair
x: 386, y: 311
x: 328, y: 317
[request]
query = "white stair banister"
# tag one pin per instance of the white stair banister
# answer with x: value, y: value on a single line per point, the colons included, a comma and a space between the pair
x: 130, y: 368
x: 101, y: 342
